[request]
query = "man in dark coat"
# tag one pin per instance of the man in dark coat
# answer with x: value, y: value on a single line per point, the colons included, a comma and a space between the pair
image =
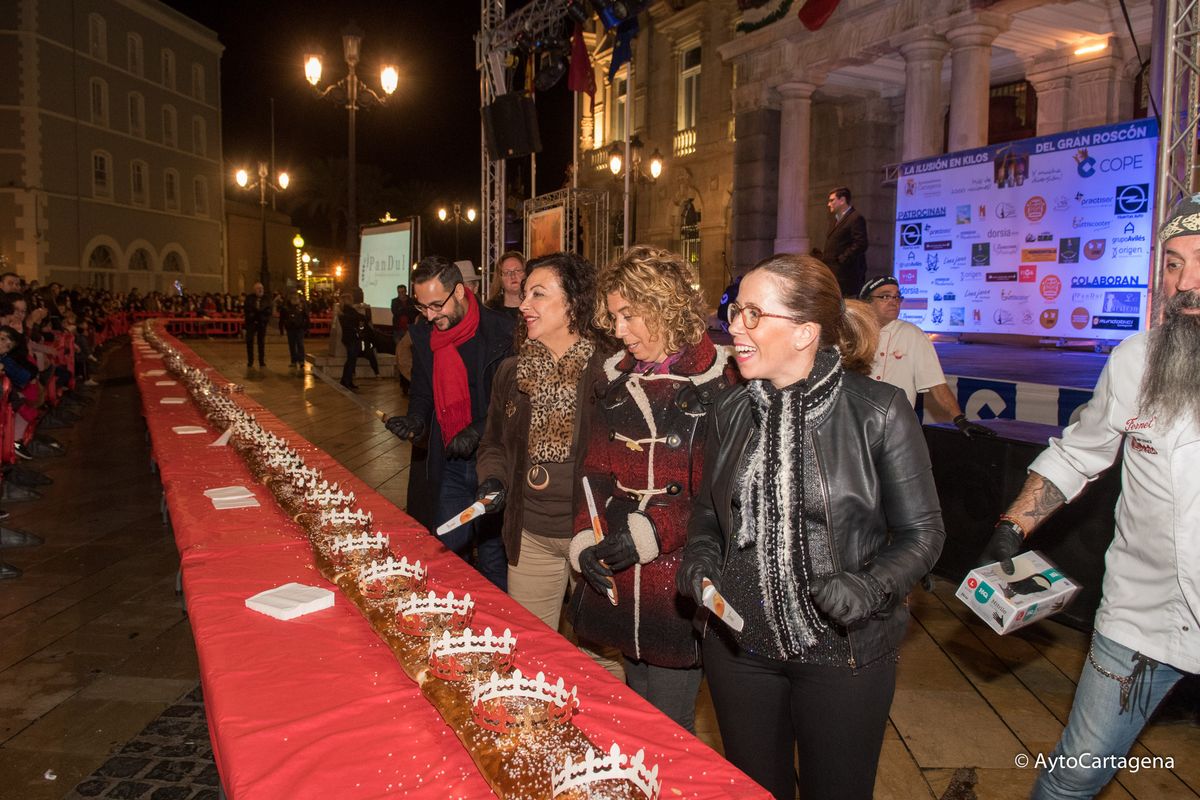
x: 846, y: 245
x: 257, y: 311
x: 455, y: 357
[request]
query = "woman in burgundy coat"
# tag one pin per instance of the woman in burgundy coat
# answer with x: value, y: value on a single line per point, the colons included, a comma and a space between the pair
x: 643, y: 464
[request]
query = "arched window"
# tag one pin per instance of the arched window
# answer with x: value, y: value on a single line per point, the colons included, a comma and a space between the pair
x: 172, y: 262
x: 99, y: 101
x: 133, y: 60
x: 200, y: 195
x: 171, y: 190
x: 139, y: 260
x: 137, y: 115
x: 139, y: 179
x: 102, y: 258
x: 689, y: 235
x: 198, y: 82
x: 101, y: 174
x: 168, y: 68
x: 170, y: 127
x: 97, y: 37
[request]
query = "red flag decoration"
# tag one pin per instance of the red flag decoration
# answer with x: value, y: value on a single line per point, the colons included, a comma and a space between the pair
x: 581, y: 78
x: 815, y: 13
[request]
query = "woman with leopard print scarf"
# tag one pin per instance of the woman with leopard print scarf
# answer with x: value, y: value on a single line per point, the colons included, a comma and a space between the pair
x: 531, y: 452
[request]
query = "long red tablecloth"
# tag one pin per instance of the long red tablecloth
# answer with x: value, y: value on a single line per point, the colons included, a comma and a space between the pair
x: 318, y: 706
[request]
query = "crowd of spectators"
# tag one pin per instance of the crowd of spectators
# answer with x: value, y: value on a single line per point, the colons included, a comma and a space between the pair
x: 49, y: 342
x: 208, y: 304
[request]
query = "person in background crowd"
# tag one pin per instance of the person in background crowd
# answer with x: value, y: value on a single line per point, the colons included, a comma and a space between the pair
x: 816, y: 516
x: 1146, y: 410
x: 845, y: 250
x: 905, y: 357
x: 10, y: 282
x: 257, y: 316
x: 357, y: 336
x: 535, y: 440
x: 643, y: 462
x: 401, y: 309
x: 294, y: 321
x: 506, y: 283
x: 455, y: 359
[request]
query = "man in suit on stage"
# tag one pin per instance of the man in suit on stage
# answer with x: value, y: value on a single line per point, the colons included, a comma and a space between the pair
x: 845, y: 248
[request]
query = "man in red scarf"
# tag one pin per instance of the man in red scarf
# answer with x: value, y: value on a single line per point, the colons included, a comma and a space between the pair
x: 457, y: 344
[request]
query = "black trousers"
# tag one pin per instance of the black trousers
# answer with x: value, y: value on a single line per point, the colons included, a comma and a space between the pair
x: 261, y: 335
x: 834, y: 716
x: 354, y: 350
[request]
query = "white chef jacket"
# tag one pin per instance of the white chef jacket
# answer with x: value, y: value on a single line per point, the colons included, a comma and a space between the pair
x: 905, y: 358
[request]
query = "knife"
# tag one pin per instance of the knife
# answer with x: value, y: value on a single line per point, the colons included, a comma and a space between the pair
x: 715, y: 603
x: 599, y: 532
x: 467, y: 514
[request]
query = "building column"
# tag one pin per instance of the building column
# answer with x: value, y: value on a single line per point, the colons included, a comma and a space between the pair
x: 795, y: 136
x: 922, y: 132
x: 970, y: 79
x: 755, y: 175
x: 1053, y: 101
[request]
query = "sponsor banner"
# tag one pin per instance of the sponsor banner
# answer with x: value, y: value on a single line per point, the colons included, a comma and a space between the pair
x: 1064, y: 220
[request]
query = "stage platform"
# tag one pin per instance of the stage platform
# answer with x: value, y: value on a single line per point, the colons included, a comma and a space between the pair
x: 994, y: 381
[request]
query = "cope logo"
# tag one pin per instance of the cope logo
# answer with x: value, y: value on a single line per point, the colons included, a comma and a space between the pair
x: 1048, y: 318
x: 1027, y: 273
x: 1085, y: 165
x: 1132, y: 198
x: 1035, y: 208
x: 1094, y: 249
x: 1050, y: 287
x: 910, y: 234
x: 1080, y: 318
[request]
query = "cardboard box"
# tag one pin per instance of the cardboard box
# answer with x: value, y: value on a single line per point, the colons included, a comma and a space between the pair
x: 1006, y: 602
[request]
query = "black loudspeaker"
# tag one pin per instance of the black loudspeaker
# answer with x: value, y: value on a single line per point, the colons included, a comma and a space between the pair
x: 978, y: 478
x: 510, y: 127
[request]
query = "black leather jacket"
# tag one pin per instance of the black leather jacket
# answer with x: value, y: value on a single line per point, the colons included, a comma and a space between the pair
x: 881, y: 503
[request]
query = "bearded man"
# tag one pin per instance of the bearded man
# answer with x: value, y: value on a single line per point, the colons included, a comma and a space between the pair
x: 1147, y: 629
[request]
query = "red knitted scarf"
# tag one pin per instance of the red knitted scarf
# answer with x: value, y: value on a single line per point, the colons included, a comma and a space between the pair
x: 451, y: 390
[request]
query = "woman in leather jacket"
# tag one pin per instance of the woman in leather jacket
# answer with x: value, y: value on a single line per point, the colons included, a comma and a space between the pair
x: 643, y: 465
x: 817, y: 515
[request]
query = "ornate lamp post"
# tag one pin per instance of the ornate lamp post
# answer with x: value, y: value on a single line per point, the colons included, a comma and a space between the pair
x: 355, y: 94
x: 458, y: 215
x: 263, y: 184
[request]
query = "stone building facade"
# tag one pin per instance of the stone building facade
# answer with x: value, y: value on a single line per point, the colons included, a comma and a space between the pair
x: 758, y: 119
x: 110, y: 145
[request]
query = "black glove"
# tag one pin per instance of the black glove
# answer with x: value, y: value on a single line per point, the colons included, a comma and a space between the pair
x: 970, y: 429
x: 596, y: 574
x: 490, y: 486
x: 463, y: 445
x: 617, y: 549
x: 848, y: 598
x: 1005, y: 543
x: 406, y: 427
x: 689, y: 580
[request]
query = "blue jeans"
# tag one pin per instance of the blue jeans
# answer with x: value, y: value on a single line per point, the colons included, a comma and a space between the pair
x: 1098, y: 726
x: 296, y: 346
x: 456, y: 492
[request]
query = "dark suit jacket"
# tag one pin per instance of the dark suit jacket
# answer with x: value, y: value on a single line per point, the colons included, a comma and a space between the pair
x: 256, y: 312
x: 845, y: 252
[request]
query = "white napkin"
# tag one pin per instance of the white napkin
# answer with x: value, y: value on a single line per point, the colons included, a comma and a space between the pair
x: 228, y: 492
x: 166, y: 383
x: 154, y: 373
x: 172, y: 401
x: 290, y: 601
x: 236, y: 502
x: 183, y: 430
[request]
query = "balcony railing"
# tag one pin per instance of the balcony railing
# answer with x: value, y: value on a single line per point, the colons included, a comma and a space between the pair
x: 684, y: 143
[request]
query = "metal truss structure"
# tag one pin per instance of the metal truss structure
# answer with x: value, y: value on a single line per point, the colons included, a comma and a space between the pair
x: 1179, y: 124
x: 498, y: 37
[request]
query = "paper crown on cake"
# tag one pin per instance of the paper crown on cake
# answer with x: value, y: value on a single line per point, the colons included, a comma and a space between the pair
x: 354, y: 542
x: 345, y: 516
x: 326, y: 495
x: 450, y: 654
x: 614, y: 766
x: 551, y: 702
x: 388, y: 578
x: 419, y: 615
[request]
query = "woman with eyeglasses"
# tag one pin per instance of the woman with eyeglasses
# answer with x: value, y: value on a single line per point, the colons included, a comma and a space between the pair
x: 643, y: 465
x: 816, y: 517
x: 533, y: 445
x: 506, y: 283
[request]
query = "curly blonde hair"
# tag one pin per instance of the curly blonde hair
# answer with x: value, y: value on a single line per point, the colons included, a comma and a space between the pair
x: 659, y: 285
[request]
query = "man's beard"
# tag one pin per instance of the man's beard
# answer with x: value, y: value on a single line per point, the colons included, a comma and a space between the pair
x: 1171, y: 384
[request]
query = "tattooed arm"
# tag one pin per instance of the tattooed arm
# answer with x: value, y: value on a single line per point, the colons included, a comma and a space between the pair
x: 1039, y: 498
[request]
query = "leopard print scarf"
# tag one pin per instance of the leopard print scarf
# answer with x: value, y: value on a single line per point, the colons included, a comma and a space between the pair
x: 552, y: 387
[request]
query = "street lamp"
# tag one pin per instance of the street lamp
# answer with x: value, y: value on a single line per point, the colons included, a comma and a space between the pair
x: 355, y: 94
x: 458, y: 215
x: 616, y: 165
x: 263, y: 183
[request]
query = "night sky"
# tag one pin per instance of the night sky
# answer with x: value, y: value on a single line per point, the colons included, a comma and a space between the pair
x: 426, y: 139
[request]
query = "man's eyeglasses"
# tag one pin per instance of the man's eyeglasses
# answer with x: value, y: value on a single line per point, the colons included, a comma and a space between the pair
x: 751, y: 314
x: 887, y: 298
x: 437, y: 304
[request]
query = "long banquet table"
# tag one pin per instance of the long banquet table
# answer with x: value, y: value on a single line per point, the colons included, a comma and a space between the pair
x: 318, y: 706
